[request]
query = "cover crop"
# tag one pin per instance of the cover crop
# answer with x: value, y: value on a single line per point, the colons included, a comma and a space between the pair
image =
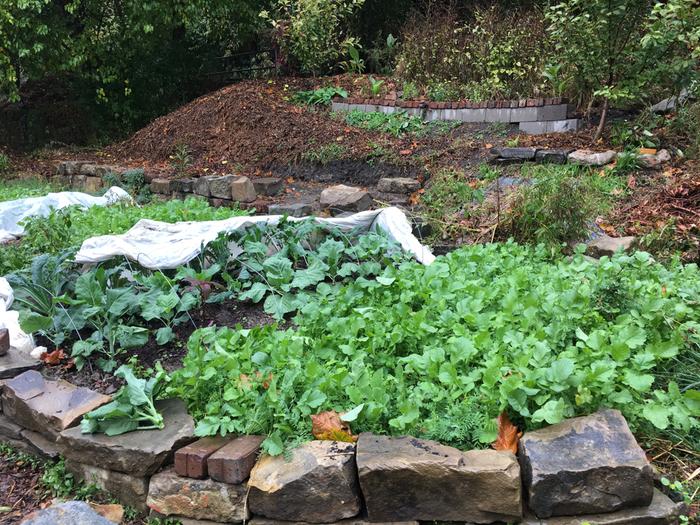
x: 443, y: 349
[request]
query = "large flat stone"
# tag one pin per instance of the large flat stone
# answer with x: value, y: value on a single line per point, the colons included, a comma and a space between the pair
x: 8, y: 428
x: 341, y: 198
x: 268, y: 186
x: 129, y: 490
x: 47, y: 406
x: 139, y: 453
x: 243, y: 190
x: 294, y: 209
x: 14, y: 362
x: 586, y: 157
x: 67, y: 513
x: 662, y: 511
x: 350, y: 521
x: 606, y: 245
x: 412, y: 479
x: 40, y: 445
x: 398, y: 185
x: 201, y: 499
x: 220, y: 187
x: 585, y: 465
x: 318, y: 484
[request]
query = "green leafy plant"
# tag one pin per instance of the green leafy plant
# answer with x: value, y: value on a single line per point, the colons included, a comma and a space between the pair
x: 313, y: 34
x: 104, y: 302
x: 556, y: 207
x: 626, y: 163
x: 134, y: 181
x: 5, y: 163
x: 181, y: 159
x: 132, y: 407
x: 484, y: 329
x: 409, y: 91
x: 60, y: 483
x: 375, y: 86
x: 354, y: 64
x: 321, y: 96
x: 21, y: 188
x: 448, y: 200
x: 396, y: 124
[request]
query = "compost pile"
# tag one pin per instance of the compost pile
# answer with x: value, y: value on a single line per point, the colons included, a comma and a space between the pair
x: 249, y: 123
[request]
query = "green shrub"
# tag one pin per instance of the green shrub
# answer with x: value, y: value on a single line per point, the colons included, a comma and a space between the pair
x: 397, y: 123
x: 557, y: 205
x: 487, y: 327
x: 685, y: 128
x: 5, y: 163
x: 313, y: 33
x: 446, y: 203
x: 498, y: 52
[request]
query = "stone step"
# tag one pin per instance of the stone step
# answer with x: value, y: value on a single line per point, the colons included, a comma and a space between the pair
x: 47, y: 406
x: 15, y: 362
x: 233, y: 462
x: 398, y: 185
x: 342, y: 198
x: 129, y: 490
x: 138, y: 453
x: 294, y: 209
x: 661, y: 511
x: 317, y: 483
x: 413, y: 479
x: 205, y: 499
x: 585, y: 465
x: 268, y: 186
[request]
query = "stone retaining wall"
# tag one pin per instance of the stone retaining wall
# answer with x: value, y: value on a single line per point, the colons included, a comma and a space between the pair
x: 587, y: 469
x: 535, y: 115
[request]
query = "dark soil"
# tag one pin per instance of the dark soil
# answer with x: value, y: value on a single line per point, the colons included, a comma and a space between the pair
x: 19, y: 489
x: 355, y: 172
x: 230, y: 313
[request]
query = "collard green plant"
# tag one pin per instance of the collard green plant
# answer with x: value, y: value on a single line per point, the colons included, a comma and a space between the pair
x: 132, y: 407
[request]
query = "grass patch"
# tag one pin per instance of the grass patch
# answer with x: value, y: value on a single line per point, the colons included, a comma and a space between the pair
x: 69, y: 227
x: 22, y: 188
x: 324, y: 154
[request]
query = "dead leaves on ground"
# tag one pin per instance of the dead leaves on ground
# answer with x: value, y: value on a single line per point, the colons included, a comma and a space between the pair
x: 327, y: 426
x: 508, y: 435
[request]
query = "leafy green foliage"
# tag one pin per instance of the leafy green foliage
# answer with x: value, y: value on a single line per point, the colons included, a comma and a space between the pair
x: 618, y: 50
x: 319, y: 97
x: 448, y: 200
x: 488, y: 327
x: 556, y: 206
x: 133, y: 181
x: 497, y: 52
x: 397, y: 123
x: 313, y: 34
x: 4, y: 165
x: 60, y: 483
x: 23, y: 188
x: 132, y: 407
x: 287, y: 264
x: 69, y: 227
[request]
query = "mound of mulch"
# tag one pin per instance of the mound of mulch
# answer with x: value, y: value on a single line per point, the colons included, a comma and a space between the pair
x: 250, y: 123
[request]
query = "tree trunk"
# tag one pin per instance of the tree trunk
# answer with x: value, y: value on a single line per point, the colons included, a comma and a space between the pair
x: 601, y: 124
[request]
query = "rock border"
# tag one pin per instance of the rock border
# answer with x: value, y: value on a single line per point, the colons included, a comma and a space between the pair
x: 378, y: 479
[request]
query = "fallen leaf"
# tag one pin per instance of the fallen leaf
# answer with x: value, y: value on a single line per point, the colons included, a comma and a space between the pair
x: 631, y: 182
x: 405, y: 152
x: 508, y: 435
x: 647, y: 151
x: 290, y: 180
x: 53, y: 358
x: 488, y: 146
x: 327, y: 426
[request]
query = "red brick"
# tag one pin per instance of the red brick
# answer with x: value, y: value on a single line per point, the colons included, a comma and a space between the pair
x: 191, y: 461
x: 531, y: 102
x: 233, y: 463
x: 490, y: 103
x: 522, y: 103
x: 540, y: 102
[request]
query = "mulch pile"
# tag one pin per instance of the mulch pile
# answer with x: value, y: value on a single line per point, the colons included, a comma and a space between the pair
x: 251, y: 123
